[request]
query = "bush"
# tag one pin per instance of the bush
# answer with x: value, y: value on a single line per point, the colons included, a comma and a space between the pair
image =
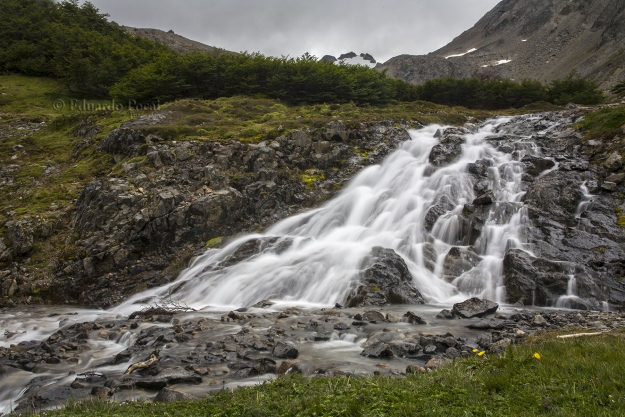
x: 574, y: 89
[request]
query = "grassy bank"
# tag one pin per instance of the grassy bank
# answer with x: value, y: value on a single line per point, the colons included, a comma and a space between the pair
x: 571, y: 377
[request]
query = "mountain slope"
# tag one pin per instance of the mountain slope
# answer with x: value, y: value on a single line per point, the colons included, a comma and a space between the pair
x: 173, y: 41
x: 539, y: 39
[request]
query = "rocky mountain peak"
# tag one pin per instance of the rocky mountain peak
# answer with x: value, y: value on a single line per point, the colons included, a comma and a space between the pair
x: 538, y: 39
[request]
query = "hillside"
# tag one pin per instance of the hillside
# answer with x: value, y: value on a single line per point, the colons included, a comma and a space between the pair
x: 173, y: 41
x: 538, y: 39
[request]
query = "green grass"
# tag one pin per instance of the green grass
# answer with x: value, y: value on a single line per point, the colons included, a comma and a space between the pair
x: 603, y: 123
x: 574, y: 377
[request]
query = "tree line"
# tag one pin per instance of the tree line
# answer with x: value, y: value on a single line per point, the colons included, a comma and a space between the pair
x: 94, y: 57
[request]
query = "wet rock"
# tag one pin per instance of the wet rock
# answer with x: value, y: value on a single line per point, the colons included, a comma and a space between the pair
x: 535, y: 165
x: 379, y: 350
x: 441, y: 206
x: 412, y: 318
x: 385, y: 280
x: 169, y: 376
x: 284, y: 351
x: 382, y: 337
x: 373, y: 316
x: 447, y: 151
x: 555, y: 196
x: 474, y: 307
x: 458, y: 261
x: 541, y: 282
x: 484, y: 199
x: 445, y: 314
x: 167, y: 395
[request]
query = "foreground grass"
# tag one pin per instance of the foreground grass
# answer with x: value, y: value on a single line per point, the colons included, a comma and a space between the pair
x: 573, y: 377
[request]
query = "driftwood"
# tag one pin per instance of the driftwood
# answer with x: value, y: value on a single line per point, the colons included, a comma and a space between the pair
x: 144, y: 364
x: 570, y: 336
x: 164, y: 306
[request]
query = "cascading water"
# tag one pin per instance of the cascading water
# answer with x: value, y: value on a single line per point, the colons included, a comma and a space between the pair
x: 315, y: 257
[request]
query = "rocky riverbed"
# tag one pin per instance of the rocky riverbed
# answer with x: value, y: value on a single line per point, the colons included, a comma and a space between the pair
x: 198, y: 352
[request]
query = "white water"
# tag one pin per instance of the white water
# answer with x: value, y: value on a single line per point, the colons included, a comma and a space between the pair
x: 385, y: 205
x: 565, y: 301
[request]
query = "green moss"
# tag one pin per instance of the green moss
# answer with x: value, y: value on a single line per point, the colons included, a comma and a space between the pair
x: 214, y: 242
x: 362, y: 152
x: 621, y: 220
x: 311, y: 176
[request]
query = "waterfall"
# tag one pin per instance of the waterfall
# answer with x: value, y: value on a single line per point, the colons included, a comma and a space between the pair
x: 315, y: 257
x: 567, y: 301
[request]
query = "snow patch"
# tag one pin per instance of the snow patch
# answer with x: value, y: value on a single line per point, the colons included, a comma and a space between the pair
x: 457, y: 55
x: 523, y: 40
x: 500, y: 62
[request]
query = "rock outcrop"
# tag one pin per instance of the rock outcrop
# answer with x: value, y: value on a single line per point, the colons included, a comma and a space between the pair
x: 385, y: 280
x: 139, y: 229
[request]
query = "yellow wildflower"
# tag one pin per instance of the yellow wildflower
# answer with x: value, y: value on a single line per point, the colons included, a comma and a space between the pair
x: 474, y: 350
x: 536, y: 355
x: 482, y: 353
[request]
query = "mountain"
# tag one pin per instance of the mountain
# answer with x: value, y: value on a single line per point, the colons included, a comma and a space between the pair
x: 173, y: 41
x: 538, y: 39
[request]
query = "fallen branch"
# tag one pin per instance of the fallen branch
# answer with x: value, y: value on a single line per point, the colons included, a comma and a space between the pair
x: 144, y: 364
x: 163, y: 306
x: 569, y: 336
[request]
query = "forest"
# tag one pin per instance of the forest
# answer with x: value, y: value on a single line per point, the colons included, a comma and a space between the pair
x: 95, y: 58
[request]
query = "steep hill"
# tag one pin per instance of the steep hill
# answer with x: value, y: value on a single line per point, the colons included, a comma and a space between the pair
x: 173, y: 41
x: 539, y: 39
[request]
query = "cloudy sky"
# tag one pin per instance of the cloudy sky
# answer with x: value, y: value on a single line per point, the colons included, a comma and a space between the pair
x: 383, y: 28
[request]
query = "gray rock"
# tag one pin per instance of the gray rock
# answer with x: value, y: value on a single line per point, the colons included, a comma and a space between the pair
x: 458, y: 261
x: 474, y: 307
x: 167, y: 395
x: 123, y: 141
x: 379, y: 350
x: 284, y: 351
x: 385, y: 280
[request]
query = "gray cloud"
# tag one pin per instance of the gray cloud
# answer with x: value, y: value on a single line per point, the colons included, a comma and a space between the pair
x: 288, y: 27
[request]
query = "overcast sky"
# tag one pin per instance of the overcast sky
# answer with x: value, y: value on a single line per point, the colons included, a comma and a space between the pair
x: 383, y: 28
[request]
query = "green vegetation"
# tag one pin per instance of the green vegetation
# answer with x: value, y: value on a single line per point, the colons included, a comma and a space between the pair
x: 606, y: 122
x: 311, y: 176
x: 619, y: 89
x: 93, y: 57
x: 505, y: 94
x: 546, y: 376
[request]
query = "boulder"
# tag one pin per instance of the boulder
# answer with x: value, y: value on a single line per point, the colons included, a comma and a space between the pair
x: 379, y: 350
x: 385, y: 280
x: 458, y: 261
x: 474, y: 307
x: 447, y: 151
x: 167, y: 395
x: 284, y: 351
